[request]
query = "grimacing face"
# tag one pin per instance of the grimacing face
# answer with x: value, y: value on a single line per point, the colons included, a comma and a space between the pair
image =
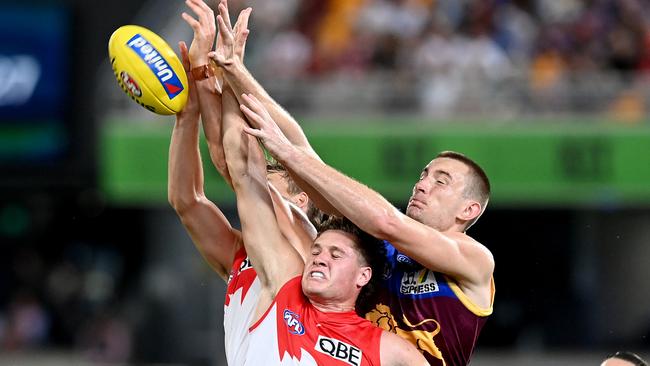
x: 333, y: 272
x: 437, y: 197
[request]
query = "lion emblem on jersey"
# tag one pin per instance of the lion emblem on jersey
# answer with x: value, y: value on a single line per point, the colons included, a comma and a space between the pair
x: 382, y: 317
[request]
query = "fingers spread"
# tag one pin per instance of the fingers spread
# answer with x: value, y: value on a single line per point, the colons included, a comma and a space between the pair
x: 223, y: 11
x: 223, y: 29
x: 242, y: 20
x: 203, y: 12
x: 244, y: 16
x: 192, y: 22
x: 195, y: 8
x: 241, y: 43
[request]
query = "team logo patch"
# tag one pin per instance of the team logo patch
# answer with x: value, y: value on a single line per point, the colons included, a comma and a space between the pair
x: 158, y: 65
x: 401, y: 258
x: 339, y: 350
x: 130, y: 84
x: 418, y: 282
x: 293, y: 322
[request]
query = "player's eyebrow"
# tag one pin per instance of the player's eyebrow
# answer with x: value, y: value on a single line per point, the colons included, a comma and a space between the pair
x: 444, y: 172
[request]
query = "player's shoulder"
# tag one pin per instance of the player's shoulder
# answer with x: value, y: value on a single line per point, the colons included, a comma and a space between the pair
x: 395, y: 350
x: 467, y: 241
x: 473, y: 249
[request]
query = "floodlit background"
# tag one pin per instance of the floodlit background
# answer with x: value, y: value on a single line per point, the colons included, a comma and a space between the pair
x: 550, y: 96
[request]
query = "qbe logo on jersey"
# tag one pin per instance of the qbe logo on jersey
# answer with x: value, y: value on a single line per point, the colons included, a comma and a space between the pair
x: 418, y: 282
x: 339, y: 350
x: 158, y: 65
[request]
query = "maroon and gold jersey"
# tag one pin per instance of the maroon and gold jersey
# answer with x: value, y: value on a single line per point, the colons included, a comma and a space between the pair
x: 429, y: 310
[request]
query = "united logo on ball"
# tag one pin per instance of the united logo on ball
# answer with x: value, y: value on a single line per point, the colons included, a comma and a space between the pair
x: 147, y: 69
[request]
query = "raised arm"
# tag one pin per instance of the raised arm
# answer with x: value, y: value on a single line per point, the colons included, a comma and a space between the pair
x: 241, y: 81
x: 211, y: 232
x: 454, y: 254
x: 274, y: 259
x: 206, y: 85
x: 209, y: 229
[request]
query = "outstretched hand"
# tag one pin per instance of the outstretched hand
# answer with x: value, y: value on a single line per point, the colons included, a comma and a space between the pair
x: 263, y: 126
x: 204, y: 31
x: 231, y: 42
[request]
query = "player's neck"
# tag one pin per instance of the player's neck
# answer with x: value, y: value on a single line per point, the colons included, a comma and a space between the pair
x: 332, y: 307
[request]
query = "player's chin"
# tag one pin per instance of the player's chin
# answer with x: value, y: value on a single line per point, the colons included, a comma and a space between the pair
x: 312, y: 286
x: 412, y: 211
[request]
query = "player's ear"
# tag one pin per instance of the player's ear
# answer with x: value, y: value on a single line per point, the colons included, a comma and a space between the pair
x: 365, y: 273
x: 301, y: 200
x: 472, y: 210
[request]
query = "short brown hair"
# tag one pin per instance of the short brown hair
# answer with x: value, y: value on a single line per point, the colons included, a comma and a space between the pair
x: 315, y: 215
x: 275, y: 167
x: 478, y: 187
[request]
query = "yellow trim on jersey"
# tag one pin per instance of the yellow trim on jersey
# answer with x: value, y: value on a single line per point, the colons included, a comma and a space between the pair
x: 478, y: 311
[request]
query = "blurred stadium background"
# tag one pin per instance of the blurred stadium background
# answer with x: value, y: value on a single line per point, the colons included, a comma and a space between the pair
x: 550, y: 96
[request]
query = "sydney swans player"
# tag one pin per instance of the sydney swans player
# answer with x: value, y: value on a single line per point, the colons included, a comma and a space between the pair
x: 305, y: 312
x: 212, y: 234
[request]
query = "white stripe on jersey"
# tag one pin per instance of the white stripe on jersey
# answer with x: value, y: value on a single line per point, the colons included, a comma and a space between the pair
x: 264, y: 348
x: 237, y: 318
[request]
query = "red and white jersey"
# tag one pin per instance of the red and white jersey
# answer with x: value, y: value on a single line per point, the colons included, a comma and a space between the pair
x: 293, y: 332
x: 241, y: 300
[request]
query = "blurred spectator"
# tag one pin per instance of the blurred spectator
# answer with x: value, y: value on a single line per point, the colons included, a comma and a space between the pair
x: 27, y: 323
x: 106, y: 339
x: 287, y: 55
x: 456, y: 52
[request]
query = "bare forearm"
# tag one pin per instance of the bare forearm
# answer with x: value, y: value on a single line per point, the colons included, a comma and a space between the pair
x: 185, y: 173
x: 241, y: 81
x: 317, y: 198
x: 208, y: 227
x: 362, y: 205
x: 273, y: 257
x: 211, y: 115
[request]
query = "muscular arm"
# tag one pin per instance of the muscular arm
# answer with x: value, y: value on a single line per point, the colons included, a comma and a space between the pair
x: 395, y: 351
x: 241, y: 81
x: 211, y: 118
x: 273, y: 258
x: 454, y: 254
x: 211, y: 232
x: 209, y: 97
x: 209, y: 229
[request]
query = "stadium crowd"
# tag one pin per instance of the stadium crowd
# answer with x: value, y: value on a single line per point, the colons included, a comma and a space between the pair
x: 561, y: 49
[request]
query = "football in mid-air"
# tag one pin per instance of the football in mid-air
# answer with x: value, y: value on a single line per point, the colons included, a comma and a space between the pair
x: 147, y: 69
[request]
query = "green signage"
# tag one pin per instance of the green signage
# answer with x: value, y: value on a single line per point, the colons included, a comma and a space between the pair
x: 573, y: 164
